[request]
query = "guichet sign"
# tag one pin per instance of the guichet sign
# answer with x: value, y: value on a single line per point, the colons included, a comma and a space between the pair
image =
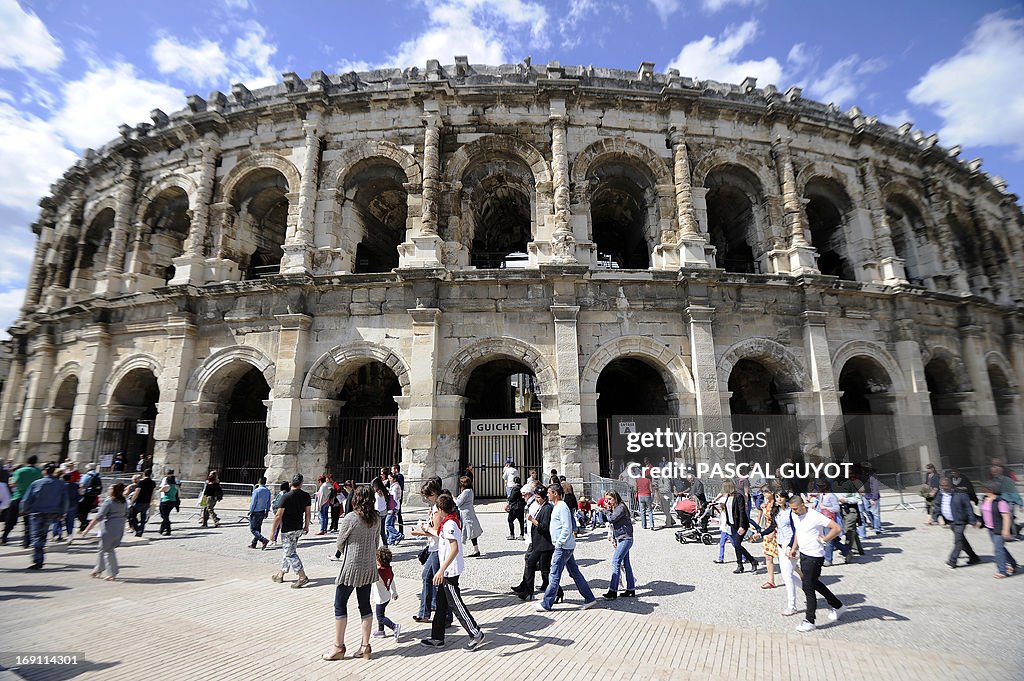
x: 492, y: 427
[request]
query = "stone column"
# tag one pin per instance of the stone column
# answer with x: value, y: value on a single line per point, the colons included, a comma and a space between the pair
x: 689, y: 247
x: 96, y: 355
x: 1015, y: 340
x: 421, y: 452
x: 178, y: 363
x: 298, y: 247
x: 704, y: 367
x: 570, y: 418
x: 563, y: 243
x: 41, y: 358
x: 427, y: 246
x: 189, y: 267
x: 802, y: 256
x: 890, y: 268
x: 283, y: 416
x: 38, y: 272
x: 823, y: 383
x: 915, y: 419
x: 112, y: 280
x: 10, y: 406
x: 974, y: 360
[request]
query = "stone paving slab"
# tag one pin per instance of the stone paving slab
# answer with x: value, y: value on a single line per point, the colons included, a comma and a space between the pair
x: 200, y: 605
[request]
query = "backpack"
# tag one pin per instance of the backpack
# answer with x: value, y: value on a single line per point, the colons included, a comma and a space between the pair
x: 95, y: 486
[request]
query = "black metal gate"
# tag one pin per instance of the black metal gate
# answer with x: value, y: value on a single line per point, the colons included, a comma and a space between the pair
x: 133, y: 438
x: 361, y: 445
x: 240, y: 451
x: 488, y: 459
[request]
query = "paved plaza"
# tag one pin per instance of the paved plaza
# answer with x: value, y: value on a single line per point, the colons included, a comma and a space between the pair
x: 201, y: 605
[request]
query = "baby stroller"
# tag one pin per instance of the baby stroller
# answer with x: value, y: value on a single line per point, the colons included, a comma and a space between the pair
x: 692, y: 519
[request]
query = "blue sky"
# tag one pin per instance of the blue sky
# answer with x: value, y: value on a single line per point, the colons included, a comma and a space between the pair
x: 70, y: 73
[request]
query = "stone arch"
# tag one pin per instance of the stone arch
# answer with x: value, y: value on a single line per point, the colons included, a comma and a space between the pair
x: 367, y: 151
x: 125, y: 367
x: 203, y: 386
x: 997, y: 360
x: 457, y: 372
x: 873, y: 351
x: 93, y: 210
x: 670, y: 365
x: 70, y: 369
x: 258, y: 161
x: 723, y: 157
x: 182, y: 182
x: 622, y: 148
x: 822, y: 171
x: 465, y: 155
x: 953, y: 361
x: 322, y: 379
x: 787, y: 368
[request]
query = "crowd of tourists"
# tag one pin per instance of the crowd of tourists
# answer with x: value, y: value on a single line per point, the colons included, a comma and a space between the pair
x: 800, y: 525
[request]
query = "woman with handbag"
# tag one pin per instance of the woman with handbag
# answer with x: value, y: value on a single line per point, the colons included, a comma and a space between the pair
x: 210, y: 496
x: 113, y: 513
x: 471, y: 528
x: 168, y: 499
x: 620, y: 534
x: 358, y: 541
x: 767, y: 532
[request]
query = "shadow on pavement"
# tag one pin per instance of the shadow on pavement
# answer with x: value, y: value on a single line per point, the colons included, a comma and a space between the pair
x: 61, y: 673
x: 157, y: 580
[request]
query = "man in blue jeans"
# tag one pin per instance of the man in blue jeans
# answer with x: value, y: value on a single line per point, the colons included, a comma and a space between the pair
x: 259, y: 507
x: 45, y: 502
x: 644, y: 499
x: 562, y: 530
x: 873, y: 499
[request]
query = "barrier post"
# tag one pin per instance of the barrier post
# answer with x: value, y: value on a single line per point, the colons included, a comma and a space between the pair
x: 904, y: 505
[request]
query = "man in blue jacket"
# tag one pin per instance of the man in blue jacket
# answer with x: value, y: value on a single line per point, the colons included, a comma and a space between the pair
x: 562, y: 532
x: 955, y: 508
x: 45, y: 502
x: 259, y: 507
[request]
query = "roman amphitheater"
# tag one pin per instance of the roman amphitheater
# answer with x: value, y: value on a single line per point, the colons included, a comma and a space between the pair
x: 347, y: 270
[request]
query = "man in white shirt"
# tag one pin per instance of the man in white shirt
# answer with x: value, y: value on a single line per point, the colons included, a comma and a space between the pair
x: 808, y: 543
x: 509, y: 474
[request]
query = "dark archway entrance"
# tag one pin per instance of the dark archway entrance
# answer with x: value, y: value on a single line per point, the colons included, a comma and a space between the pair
x: 500, y: 390
x: 364, y: 435
x: 130, y: 417
x: 63, y: 408
x: 759, y: 404
x: 239, y: 448
x: 631, y: 391
x: 954, y: 431
x: 867, y: 404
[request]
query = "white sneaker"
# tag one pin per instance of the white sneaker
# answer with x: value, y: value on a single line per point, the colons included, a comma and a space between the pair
x: 398, y: 631
x: 806, y: 626
x: 588, y: 604
x: 835, y: 614
x: 788, y: 612
x: 540, y: 608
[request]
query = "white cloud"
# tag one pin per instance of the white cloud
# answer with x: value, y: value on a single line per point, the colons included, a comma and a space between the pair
x: 968, y: 89
x: 35, y: 157
x: 845, y: 80
x: 347, y: 66
x: 665, y: 8
x: 19, y: 247
x: 207, y: 63
x: 717, y: 5
x: 204, y: 64
x: 107, y: 96
x: 719, y: 59
x: 483, y: 30
x: 568, y: 28
x: 26, y: 42
x: 237, y: 4
x: 10, y: 306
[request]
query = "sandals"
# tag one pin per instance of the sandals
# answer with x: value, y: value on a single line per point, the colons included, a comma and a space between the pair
x: 1000, y: 575
x: 301, y: 583
x: 768, y: 585
x: 277, y: 578
x: 338, y: 654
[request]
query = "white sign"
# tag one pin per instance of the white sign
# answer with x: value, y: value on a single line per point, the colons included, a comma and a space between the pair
x: 142, y: 429
x: 627, y: 427
x: 106, y: 460
x: 492, y: 427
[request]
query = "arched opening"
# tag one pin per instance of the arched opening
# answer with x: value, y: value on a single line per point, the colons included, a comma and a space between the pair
x: 62, y: 410
x: 261, y: 200
x: 1005, y: 433
x: 867, y: 402
x: 968, y: 251
x: 827, y: 207
x: 501, y: 400
x: 364, y: 434
x: 239, y: 447
x: 760, y: 402
x: 127, y: 427
x: 497, y: 210
x: 168, y: 220
x: 908, y: 233
x: 92, y: 250
x: 623, y: 213
x: 631, y: 391
x: 375, y: 211
x: 734, y: 197
x: 955, y: 432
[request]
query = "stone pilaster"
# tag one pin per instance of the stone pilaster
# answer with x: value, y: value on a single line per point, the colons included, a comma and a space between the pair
x: 421, y: 440
x: 567, y: 366
x: 189, y: 267
x: 41, y: 358
x: 801, y: 255
x: 298, y: 248
x: 427, y: 247
x: 178, y: 364
x: 971, y: 338
x: 38, y: 272
x: 890, y: 268
x: 95, y: 354
x: 703, y: 365
x: 916, y: 422
x: 563, y: 243
x: 823, y: 383
x: 283, y: 417
x: 688, y: 247
x: 11, y: 404
x: 112, y: 280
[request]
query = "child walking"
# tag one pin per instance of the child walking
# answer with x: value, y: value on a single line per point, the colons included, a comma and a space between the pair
x: 385, y: 590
